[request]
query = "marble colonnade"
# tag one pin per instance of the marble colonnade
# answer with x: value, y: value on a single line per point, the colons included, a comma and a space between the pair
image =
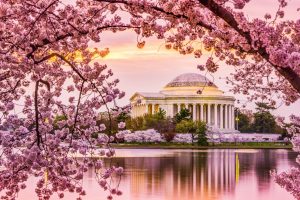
x: 220, y: 115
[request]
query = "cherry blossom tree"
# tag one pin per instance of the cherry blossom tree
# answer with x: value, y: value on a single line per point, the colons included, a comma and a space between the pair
x: 44, y: 54
x: 47, y: 72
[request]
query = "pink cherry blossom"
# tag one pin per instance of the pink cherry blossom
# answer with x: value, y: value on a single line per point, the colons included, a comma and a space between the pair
x: 44, y: 53
x: 291, y: 178
x: 121, y: 125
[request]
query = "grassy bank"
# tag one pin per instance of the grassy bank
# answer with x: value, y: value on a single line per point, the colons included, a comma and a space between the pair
x: 249, y: 145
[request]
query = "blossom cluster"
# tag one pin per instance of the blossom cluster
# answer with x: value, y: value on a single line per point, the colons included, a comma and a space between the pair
x: 290, y: 179
x: 149, y: 135
x: 152, y: 136
x: 183, y: 138
x: 46, y: 62
x: 213, y: 136
x: 44, y: 57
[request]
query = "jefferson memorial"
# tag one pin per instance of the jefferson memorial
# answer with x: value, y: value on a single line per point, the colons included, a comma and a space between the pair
x: 194, y: 92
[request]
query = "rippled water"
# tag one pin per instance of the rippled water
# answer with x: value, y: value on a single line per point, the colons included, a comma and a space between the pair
x: 154, y: 174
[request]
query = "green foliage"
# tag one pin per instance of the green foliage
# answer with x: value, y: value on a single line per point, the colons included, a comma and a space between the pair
x: 264, y: 121
x: 201, y: 129
x: 244, y: 125
x: 59, y: 118
x: 197, y: 128
x: 157, y: 121
x: 281, y: 130
x: 202, y: 140
x: 263, y: 107
x: 160, y: 115
x: 122, y: 117
x: 153, y: 121
x: 183, y: 114
x: 186, y: 126
x: 135, y: 124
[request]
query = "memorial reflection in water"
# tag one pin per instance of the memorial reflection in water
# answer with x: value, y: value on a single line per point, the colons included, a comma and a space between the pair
x: 198, y: 174
x: 156, y: 174
x: 191, y: 176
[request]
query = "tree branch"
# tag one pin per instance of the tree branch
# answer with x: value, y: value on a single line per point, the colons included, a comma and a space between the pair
x: 77, y: 108
x: 222, y: 13
x: 36, y: 108
x: 10, y: 90
x: 219, y: 11
x: 82, y: 77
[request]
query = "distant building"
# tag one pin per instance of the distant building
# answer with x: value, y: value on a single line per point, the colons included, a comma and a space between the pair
x: 193, y: 91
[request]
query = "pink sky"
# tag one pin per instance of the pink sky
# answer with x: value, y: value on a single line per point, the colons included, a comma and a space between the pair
x: 151, y: 68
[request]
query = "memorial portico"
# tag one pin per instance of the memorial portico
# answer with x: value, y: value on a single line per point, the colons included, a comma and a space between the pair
x: 194, y: 92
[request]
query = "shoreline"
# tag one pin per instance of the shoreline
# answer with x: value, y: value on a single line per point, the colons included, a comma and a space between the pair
x: 189, y: 146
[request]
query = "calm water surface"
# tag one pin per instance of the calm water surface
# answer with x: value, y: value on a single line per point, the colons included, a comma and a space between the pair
x: 155, y: 174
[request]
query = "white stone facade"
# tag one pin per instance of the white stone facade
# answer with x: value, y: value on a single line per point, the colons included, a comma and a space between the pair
x: 193, y: 91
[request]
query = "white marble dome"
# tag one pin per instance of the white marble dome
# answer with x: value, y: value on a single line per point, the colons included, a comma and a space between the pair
x: 189, y: 84
x: 190, y: 79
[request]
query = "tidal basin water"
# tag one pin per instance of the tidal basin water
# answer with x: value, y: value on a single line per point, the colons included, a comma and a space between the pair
x: 157, y: 174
